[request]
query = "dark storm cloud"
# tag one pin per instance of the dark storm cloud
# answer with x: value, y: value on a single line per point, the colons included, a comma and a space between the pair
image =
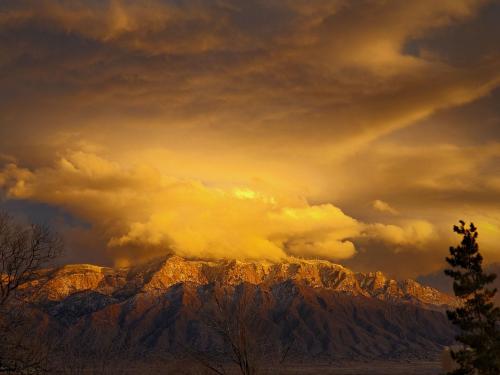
x: 339, y: 68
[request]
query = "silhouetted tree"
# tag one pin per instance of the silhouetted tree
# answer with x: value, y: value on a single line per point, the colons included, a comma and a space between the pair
x: 247, y: 338
x: 24, y: 250
x: 477, y: 317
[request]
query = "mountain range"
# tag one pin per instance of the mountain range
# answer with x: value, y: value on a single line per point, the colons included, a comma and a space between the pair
x: 316, y: 309
x: 443, y: 283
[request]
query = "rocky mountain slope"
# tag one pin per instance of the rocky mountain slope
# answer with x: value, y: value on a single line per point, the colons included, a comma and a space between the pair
x: 317, y: 308
x: 159, y: 275
x: 443, y: 283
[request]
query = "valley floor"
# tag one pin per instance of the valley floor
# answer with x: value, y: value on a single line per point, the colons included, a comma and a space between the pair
x: 369, y: 368
x: 348, y: 368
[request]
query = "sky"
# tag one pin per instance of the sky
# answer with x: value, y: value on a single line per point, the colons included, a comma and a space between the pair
x: 353, y: 131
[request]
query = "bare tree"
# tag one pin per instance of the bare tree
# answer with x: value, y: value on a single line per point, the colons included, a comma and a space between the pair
x: 247, y: 337
x: 232, y: 321
x: 24, y: 250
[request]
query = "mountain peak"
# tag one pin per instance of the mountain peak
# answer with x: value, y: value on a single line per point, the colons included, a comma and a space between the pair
x: 331, y: 309
x: 160, y: 274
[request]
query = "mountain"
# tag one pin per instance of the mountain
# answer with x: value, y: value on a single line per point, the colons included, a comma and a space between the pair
x: 160, y: 275
x: 321, y: 310
x: 443, y: 283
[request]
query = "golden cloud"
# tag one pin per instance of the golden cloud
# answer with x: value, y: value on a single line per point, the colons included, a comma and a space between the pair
x: 337, y: 68
x: 139, y: 209
x: 185, y: 111
x: 415, y: 232
x: 382, y: 206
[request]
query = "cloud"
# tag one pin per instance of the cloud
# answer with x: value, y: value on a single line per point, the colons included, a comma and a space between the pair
x: 415, y: 232
x: 143, y: 213
x: 142, y: 210
x: 382, y: 206
x: 267, y: 107
x: 338, y: 69
x: 422, y: 176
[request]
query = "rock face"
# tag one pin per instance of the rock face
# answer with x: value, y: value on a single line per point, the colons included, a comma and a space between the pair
x: 323, y: 309
x: 158, y: 276
x: 443, y: 283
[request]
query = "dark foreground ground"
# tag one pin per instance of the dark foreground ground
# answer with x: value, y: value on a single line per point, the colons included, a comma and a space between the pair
x: 382, y: 368
x: 350, y: 368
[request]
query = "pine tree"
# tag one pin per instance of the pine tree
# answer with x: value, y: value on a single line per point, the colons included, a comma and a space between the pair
x: 477, y: 317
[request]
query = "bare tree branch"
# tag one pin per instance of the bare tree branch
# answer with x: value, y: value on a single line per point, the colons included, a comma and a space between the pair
x: 233, y: 316
x: 24, y: 250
